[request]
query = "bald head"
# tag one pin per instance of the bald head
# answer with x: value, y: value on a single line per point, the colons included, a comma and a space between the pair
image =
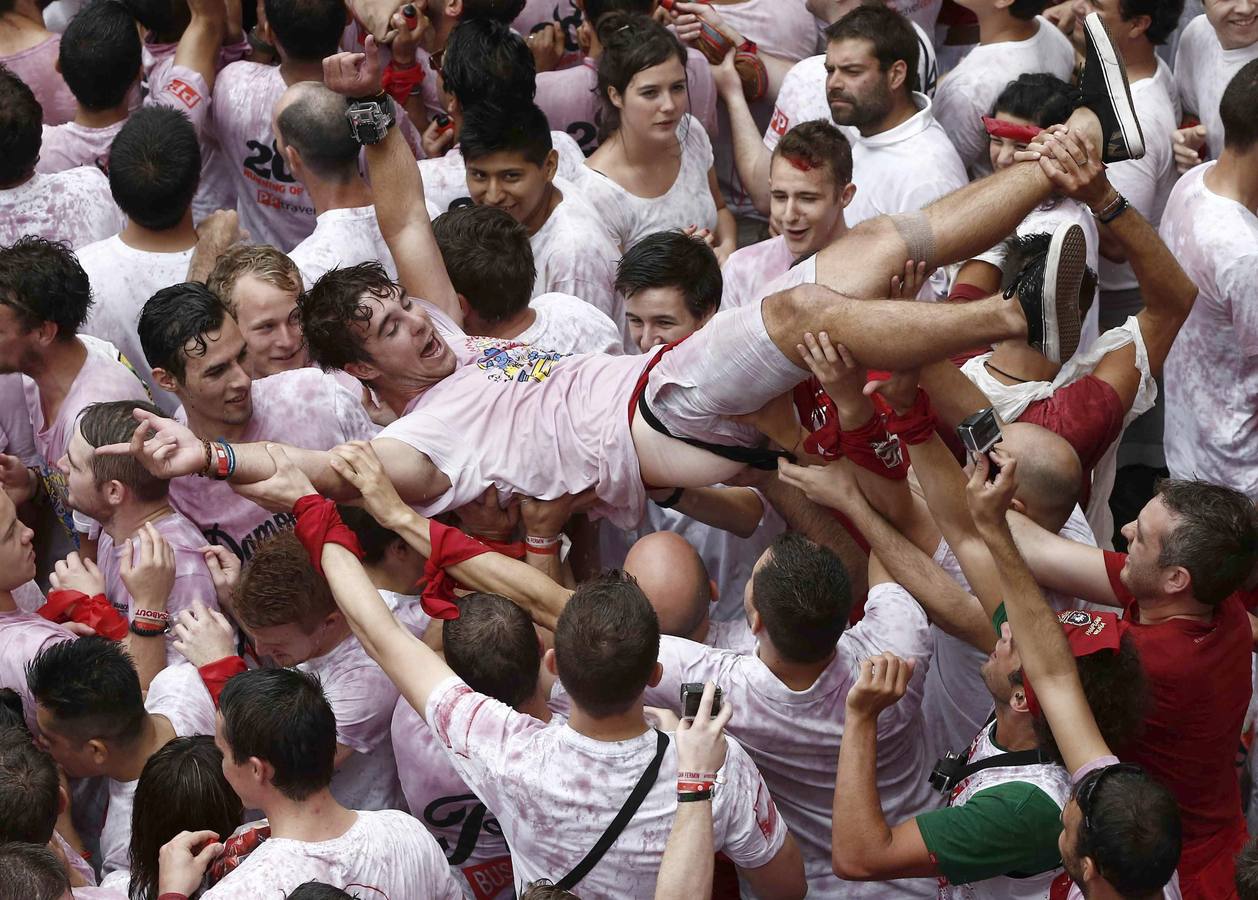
x: 1050, y: 477
x: 672, y: 575
x: 310, y: 119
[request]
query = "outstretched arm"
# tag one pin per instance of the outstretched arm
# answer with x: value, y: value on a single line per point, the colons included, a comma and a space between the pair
x: 864, y: 847
x: 751, y: 157
x: 198, y: 46
x: 492, y: 573
x: 1046, y: 657
x: 1062, y: 565
x: 398, y: 189
x: 946, y: 603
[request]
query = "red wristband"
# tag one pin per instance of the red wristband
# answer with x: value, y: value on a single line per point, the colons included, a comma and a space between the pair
x: 917, y: 424
x: 95, y: 612
x: 319, y: 523
x: 871, y: 448
x: 218, y: 673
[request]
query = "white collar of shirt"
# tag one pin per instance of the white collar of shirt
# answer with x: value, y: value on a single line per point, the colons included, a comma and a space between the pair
x: 909, y: 128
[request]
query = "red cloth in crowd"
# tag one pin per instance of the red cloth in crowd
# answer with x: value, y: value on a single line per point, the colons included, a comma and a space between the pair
x: 319, y: 523
x: 449, y: 548
x: 1088, y: 413
x: 1199, y: 688
x: 96, y: 612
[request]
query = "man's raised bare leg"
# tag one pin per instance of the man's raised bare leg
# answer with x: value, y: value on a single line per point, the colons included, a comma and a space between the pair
x: 888, y: 334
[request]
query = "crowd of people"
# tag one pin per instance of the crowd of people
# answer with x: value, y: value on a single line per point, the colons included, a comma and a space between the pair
x: 628, y: 449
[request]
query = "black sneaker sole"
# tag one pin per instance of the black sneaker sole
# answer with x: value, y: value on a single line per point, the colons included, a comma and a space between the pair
x: 1064, y: 266
x: 1114, y: 75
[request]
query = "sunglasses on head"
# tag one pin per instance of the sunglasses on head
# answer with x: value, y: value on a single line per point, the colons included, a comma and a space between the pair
x: 1087, y: 791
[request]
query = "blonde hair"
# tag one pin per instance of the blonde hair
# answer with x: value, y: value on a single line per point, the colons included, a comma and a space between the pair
x: 262, y: 261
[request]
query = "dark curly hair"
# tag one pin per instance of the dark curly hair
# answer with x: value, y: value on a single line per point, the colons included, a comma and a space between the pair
x: 42, y: 281
x: 334, y: 305
x: 1116, y: 691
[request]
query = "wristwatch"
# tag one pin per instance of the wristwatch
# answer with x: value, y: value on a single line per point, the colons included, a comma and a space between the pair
x: 370, y: 118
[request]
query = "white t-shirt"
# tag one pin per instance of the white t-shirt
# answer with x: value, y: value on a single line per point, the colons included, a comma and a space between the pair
x: 749, y: 270
x: 302, y: 408
x: 342, y: 237
x: 969, y: 91
x: 469, y: 834
x: 23, y: 635
x: 69, y: 145
x: 1211, y: 374
x: 192, y: 576
x: 555, y: 791
x: 629, y: 218
x: 362, y: 698
x: 957, y: 702
x: 178, y: 695
x: 74, y: 206
x: 802, y: 97
x: 385, y: 854
x: 406, y: 608
x: 794, y: 736
x: 570, y: 325
x: 273, y: 205
x: 445, y: 177
x: 541, y: 399
x: 123, y: 279
x: 574, y: 255
x: 569, y: 97
x: 1203, y: 70
x: 17, y: 438
x: 1146, y: 182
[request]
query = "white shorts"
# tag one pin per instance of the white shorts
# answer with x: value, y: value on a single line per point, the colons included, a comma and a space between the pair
x: 729, y: 367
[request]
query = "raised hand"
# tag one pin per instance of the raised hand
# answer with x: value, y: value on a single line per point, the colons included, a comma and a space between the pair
x: 358, y: 464
x: 883, y: 680
x: 547, y: 45
x: 1187, y: 144
x: 354, y: 74
x: 701, y: 740
x: 182, y: 861
x: 203, y: 635
x: 150, y: 579
x: 832, y: 365
x: 77, y: 574
x: 908, y: 286
x: 487, y: 517
x: 899, y: 389
x: 224, y: 569
x: 831, y: 485
x: 990, y: 500
x: 18, y: 481
x: 169, y: 451
x: 546, y: 518
x: 282, y: 490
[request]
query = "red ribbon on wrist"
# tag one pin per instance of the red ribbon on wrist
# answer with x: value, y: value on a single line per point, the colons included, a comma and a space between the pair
x: 319, y: 523
x: 873, y: 449
x: 513, y: 549
x: 96, y: 612
x: 398, y: 83
x: 917, y: 424
x: 215, y: 675
x: 449, y: 548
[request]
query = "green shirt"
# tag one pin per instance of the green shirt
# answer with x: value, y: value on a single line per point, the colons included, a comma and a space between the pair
x: 1007, y: 829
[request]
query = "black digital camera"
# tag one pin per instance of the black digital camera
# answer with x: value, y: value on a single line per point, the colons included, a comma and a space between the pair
x: 947, y: 772
x: 979, y: 433
x: 691, y: 694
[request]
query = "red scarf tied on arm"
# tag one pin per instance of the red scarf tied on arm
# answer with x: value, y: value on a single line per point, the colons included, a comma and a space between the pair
x: 449, y: 548
x: 915, y: 425
x: 319, y: 523
x: 96, y: 612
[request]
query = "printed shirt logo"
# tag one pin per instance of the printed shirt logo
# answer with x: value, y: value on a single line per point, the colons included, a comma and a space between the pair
x: 517, y: 362
x: 184, y: 92
x: 780, y: 123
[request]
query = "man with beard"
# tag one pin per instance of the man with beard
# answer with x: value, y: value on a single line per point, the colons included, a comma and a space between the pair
x: 901, y: 158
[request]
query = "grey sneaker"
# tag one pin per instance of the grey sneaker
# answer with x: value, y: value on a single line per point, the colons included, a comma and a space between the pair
x: 1046, y: 273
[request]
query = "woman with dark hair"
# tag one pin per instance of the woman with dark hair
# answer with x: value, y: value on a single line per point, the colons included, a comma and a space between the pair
x: 1027, y: 106
x: 181, y: 788
x: 653, y: 170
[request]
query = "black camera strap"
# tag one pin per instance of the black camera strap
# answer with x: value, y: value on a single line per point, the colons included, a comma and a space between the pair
x: 623, y: 818
x: 1000, y: 760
